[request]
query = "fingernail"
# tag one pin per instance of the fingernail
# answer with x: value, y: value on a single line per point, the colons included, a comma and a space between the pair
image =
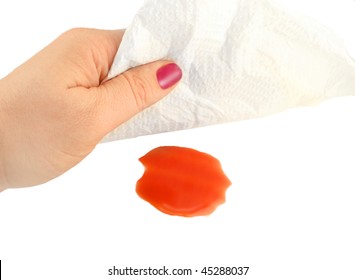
x: 169, y: 75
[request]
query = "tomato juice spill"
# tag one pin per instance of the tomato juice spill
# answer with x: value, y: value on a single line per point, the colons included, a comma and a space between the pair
x: 182, y: 181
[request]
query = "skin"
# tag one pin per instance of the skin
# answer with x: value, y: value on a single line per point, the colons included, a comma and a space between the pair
x: 56, y: 107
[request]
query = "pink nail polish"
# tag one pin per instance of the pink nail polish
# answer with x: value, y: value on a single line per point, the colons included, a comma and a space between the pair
x: 169, y: 75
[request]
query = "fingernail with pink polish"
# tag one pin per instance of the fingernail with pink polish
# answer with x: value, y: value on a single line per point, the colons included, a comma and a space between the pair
x: 169, y: 75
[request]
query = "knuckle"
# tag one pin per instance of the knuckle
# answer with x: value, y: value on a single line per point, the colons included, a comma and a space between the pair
x: 72, y: 33
x: 139, y: 88
x: 77, y: 34
x: 75, y: 31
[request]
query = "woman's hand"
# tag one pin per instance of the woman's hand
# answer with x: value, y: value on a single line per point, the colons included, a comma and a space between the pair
x: 55, y: 108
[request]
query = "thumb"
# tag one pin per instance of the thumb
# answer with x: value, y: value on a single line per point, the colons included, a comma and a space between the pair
x: 134, y: 90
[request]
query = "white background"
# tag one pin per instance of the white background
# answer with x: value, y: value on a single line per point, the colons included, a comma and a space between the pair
x: 289, y: 213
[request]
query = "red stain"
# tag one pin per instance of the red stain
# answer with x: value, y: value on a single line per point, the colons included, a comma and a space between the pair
x: 182, y: 181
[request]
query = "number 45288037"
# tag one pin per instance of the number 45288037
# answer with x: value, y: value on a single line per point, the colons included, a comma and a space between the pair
x: 225, y: 270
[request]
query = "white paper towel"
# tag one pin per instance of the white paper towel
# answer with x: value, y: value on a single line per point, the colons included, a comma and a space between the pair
x: 241, y: 59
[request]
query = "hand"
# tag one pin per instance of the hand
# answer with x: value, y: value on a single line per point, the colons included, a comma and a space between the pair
x: 55, y: 108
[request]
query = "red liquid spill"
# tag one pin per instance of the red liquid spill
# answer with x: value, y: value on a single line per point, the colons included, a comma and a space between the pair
x: 182, y: 181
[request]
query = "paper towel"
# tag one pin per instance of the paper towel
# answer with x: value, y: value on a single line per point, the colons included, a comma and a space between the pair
x: 241, y: 59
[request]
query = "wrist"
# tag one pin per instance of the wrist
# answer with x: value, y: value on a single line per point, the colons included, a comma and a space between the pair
x: 3, y: 183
